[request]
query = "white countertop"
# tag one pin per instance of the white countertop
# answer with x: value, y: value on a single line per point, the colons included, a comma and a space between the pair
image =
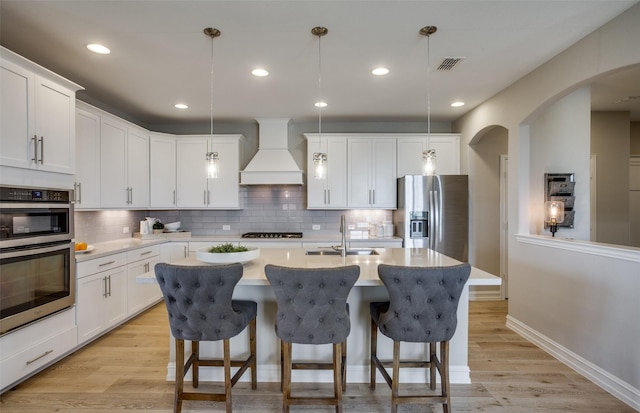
x: 295, y: 257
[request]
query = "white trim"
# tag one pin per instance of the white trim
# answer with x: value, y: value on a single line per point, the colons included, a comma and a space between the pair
x: 612, y: 251
x: 611, y: 384
x: 490, y: 294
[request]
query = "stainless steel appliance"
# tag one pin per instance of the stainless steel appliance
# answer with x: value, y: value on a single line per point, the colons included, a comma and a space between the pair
x: 433, y: 212
x: 37, y: 269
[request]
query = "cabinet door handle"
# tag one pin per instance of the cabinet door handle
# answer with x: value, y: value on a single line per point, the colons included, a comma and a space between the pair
x: 79, y: 192
x: 328, y: 196
x: 208, y: 197
x: 131, y: 195
x: 373, y: 197
x: 46, y: 353
x: 205, y: 197
x: 109, y: 277
x: 104, y: 290
x: 35, y: 148
x: 174, y: 197
x: 41, y: 149
x: 106, y: 263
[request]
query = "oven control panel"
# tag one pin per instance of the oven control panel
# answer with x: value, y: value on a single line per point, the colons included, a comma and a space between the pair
x: 13, y: 194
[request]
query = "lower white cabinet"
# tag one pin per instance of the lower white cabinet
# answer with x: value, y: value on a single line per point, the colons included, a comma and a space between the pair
x: 173, y: 251
x: 102, y: 297
x: 28, y: 350
x: 107, y: 291
x: 141, y: 295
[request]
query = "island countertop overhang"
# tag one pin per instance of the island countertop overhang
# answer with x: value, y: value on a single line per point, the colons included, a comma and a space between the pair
x: 296, y: 257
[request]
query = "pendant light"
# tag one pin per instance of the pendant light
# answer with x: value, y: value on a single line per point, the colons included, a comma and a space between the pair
x: 429, y: 155
x: 319, y: 158
x: 212, y: 157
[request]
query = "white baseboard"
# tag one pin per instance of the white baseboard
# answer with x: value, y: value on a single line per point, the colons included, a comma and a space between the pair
x: 486, y: 294
x: 355, y: 374
x: 602, y: 378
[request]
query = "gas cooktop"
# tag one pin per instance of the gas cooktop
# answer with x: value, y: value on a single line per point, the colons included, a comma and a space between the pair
x: 272, y: 235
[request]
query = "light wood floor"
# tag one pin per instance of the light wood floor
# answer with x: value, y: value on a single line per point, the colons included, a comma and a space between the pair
x: 125, y: 370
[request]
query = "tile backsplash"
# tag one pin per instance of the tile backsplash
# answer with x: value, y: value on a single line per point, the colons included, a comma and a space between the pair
x: 265, y: 208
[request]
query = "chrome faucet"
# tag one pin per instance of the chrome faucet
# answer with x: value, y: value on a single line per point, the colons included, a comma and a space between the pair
x: 343, y: 230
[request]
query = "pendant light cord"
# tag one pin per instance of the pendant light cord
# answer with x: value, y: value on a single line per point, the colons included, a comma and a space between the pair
x: 428, y: 86
x: 211, y: 103
x: 319, y: 91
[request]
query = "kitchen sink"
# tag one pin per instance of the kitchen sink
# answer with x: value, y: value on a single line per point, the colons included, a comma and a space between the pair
x: 353, y: 251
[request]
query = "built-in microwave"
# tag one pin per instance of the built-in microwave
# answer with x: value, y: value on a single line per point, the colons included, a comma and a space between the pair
x: 37, y: 261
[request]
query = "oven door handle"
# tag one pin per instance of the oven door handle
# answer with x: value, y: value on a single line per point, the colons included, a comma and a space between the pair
x: 34, y: 249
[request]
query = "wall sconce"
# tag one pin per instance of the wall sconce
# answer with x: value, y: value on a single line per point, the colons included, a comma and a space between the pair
x: 319, y: 165
x: 553, y: 215
x: 429, y: 162
x: 212, y: 165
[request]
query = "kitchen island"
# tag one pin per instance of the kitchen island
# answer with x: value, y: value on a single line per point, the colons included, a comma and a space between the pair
x: 254, y: 286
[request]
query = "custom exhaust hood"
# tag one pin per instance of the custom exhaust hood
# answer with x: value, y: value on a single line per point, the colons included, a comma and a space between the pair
x: 273, y: 163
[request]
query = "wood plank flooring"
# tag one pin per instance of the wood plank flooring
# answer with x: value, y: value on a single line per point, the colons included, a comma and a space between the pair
x: 126, y: 369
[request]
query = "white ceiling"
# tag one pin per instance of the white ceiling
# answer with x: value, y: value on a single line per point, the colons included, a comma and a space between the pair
x: 160, y: 55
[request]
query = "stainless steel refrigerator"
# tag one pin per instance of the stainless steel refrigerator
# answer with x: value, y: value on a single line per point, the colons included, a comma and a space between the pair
x: 433, y: 212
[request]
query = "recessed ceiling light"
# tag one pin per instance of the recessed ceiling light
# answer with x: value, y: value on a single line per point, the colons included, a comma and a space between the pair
x: 260, y: 72
x: 457, y: 104
x: 98, y: 48
x: 181, y: 106
x: 320, y: 104
x: 380, y: 71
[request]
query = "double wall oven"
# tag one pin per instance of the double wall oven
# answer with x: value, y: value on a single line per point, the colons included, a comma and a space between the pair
x: 37, y: 269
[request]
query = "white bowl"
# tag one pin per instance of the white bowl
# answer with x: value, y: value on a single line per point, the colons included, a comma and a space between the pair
x: 172, y: 226
x: 203, y: 254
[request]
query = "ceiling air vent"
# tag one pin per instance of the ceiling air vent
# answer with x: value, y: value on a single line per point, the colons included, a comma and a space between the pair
x: 448, y: 63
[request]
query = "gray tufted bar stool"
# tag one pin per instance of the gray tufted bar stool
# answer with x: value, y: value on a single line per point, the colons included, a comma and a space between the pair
x: 312, y: 309
x: 200, y: 306
x: 422, y: 308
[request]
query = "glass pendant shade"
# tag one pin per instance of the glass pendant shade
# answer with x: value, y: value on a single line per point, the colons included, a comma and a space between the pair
x: 320, y: 165
x: 429, y: 162
x: 212, y: 165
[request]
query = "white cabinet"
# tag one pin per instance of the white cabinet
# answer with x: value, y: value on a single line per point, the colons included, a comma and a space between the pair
x: 37, y: 120
x: 173, y: 251
x: 101, y: 295
x: 162, y: 165
x: 141, y: 295
x: 87, y: 182
x: 124, y: 165
x: 371, y: 173
x: 410, y: 148
x: 194, y: 189
x: 330, y: 192
x: 27, y: 350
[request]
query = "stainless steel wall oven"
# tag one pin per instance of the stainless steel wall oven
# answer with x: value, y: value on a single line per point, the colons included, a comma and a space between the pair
x: 37, y: 266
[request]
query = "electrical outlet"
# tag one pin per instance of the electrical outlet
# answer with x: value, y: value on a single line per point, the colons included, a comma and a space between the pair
x: 125, y: 230
x: 315, y: 227
x: 226, y: 227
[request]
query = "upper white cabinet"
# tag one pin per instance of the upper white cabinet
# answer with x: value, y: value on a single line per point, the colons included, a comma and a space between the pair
x: 330, y: 192
x: 124, y: 165
x: 410, y: 148
x: 37, y: 120
x: 162, y: 164
x: 87, y: 182
x: 371, y: 173
x: 194, y: 189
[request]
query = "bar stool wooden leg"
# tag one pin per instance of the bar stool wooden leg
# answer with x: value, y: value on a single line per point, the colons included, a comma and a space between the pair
x: 252, y: 346
x: 343, y: 365
x: 374, y: 353
x: 227, y: 374
x: 337, y: 376
x: 179, y: 382
x: 432, y: 366
x: 444, y: 375
x: 286, y: 377
x: 195, y: 363
x: 396, y: 376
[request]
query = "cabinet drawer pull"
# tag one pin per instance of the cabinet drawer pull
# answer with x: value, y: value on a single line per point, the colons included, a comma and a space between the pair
x: 106, y: 263
x: 146, y: 253
x: 46, y: 353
